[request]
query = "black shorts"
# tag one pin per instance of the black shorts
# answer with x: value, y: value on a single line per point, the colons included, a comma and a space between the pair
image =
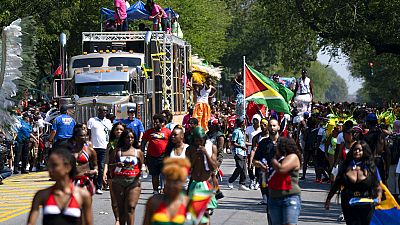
x: 155, y: 164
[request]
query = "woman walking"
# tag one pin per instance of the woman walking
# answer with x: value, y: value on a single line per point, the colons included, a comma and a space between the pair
x: 358, y: 177
x: 128, y: 160
x: 284, y: 202
x: 170, y: 207
x: 84, y: 155
x: 115, y: 134
x: 63, y: 203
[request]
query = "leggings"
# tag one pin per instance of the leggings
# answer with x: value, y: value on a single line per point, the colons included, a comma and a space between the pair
x: 356, y: 215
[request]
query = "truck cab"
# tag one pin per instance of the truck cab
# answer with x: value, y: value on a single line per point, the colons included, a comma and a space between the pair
x: 144, y: 70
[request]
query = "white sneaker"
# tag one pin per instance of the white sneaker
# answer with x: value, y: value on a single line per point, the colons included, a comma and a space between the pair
x: 243, y: 188
x: 34, y: 169
x: 99, y: 192
x: 256, y: 186
x: 230, y: 185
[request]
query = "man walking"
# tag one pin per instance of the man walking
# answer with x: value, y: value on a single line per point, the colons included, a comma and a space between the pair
x: 135, y: 124
x: 252, y: 131
x: 157, y: 137
x: 99, y: 128
x: 203, y: 158
x: 240, y: 151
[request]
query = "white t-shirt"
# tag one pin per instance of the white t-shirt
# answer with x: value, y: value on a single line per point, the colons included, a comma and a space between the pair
x: 100, y: 130
x: 322, y: 132
x: 340, y: 138
x: 251, y: 132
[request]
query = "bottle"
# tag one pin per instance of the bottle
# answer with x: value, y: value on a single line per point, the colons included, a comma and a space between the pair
x: 264, y: 175
x: 145, y: 173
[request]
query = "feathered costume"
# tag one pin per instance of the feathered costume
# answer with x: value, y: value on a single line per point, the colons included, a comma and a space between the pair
x: 11, y: 61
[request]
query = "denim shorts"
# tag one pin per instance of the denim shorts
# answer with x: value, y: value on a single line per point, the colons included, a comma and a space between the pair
x: 284, y: 210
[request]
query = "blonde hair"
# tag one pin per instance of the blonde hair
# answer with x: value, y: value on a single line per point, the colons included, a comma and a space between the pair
x: 176, y: 169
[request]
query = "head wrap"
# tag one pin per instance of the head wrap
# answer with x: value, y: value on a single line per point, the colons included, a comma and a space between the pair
x: 199, y: 132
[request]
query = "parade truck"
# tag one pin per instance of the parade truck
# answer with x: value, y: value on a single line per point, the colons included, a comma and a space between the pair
x: 121, y: 70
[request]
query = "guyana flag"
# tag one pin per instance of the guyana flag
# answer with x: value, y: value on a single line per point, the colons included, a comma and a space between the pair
x: 197, y: 205
x: 262, y: 90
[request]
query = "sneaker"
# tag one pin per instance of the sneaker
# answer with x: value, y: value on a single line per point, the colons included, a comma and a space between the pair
x: 34, y: 169
x: 243, y: 188
x: 25, y: 172
x: 99, y: 192
x: 219, y: 195
x: 340, y: 218
x: 256, y: 186
x: 156, y: 193
x: 251, y: 186
x: 230, y: 185
x: 318, y: 181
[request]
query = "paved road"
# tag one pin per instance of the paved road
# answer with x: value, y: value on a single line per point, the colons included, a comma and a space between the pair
x: 238, y: 207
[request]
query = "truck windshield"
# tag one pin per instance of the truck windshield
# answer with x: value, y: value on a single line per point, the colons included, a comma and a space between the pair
x: 102, y: 89
x: 126, y: 61
x: 93, y: 62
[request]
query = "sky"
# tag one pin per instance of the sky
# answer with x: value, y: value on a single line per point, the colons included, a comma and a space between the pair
x: 340, y: 65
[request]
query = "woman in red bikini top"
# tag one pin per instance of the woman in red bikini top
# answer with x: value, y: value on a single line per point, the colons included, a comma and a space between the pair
x: 126, y: 189
x: 170, y: 207
x: 62, y: 203
x: 84, y: 154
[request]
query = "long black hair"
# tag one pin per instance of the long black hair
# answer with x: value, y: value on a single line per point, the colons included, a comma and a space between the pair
x: 288, y: 146
x: 121, y: 141
x: 68, y: 158
x: 112, y: 133
x: 367, y: 161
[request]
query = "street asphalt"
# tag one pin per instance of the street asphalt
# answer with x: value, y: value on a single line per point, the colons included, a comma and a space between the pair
x: 238, y: 207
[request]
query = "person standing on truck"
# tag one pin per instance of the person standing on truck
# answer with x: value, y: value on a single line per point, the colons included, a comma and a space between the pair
x: 133, y: 123
x: 120, y: 15
x: 99, y: 128
x: 62, y: 128
x: 158, y: 15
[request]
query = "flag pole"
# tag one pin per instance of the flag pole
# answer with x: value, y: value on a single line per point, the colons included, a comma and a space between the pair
x: 244, y: 86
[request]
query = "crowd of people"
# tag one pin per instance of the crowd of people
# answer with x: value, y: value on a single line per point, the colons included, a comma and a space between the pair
x: 351, y: 146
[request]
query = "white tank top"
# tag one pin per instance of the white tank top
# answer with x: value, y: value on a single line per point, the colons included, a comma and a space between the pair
x: 182, y: 155
x: 204, y: 93
x: 303, y: 86
x: 208, y: 147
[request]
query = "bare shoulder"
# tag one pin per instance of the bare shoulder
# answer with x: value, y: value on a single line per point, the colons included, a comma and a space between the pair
x: 82, y: 194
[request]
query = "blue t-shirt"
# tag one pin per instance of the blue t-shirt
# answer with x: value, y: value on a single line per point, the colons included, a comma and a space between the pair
x: 64, y: 127
x: 135, y: 124
x: 239, y: 138
x: 24, y: 132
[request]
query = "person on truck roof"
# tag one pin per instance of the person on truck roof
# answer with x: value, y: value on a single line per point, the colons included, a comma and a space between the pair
x: 120, y: 15
x: 158, y: 16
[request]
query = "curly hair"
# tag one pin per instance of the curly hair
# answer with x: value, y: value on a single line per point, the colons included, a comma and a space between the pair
x: 176, y: 169
x: 288, y: 146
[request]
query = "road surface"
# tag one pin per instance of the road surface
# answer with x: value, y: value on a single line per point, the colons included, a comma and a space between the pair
x: 238, y: 207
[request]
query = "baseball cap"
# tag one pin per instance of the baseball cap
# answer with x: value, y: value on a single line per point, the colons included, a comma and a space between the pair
x: 239, y: 121
x: 131, y: 110
x: 371, y: 117
x: 306, y: 115
x: 256, y: 116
